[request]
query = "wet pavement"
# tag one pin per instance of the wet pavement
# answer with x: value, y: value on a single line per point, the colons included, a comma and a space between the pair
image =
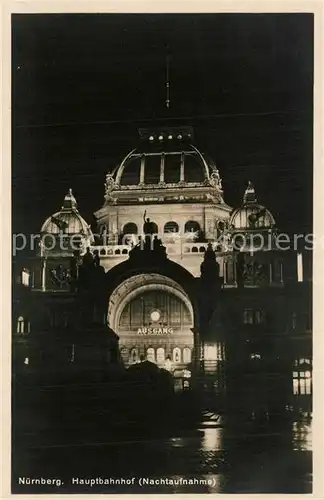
x: 218, y: 456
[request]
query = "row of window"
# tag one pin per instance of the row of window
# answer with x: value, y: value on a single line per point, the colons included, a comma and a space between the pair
x: 191, y: 226
x: 156, y: 355
x: 258, y: 316
x: 302, y: 383
x: 253, y: 317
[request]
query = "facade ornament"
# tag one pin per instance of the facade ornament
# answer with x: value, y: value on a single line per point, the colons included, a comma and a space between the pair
x: 249, y: 195
x: 215, y: 179
x: 110, y: 186
x: 60, y: 276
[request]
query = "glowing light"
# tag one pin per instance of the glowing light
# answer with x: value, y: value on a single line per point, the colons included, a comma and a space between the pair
x: 212, y: 439
x: 179, y: 136
x: 170, y: 137
x: 160, y: 137
x: 151, y: 138
x: 155, y: 316
x: 210, y: 352
x: 299, y: 267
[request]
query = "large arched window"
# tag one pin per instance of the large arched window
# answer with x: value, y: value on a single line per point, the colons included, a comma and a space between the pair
x: 171, y: 227
x: 187, y: 355
x: 176, y: 355
x: 160, y: 355
x: 192, y: 226
x: 130, y: 228
x: 150, y: 354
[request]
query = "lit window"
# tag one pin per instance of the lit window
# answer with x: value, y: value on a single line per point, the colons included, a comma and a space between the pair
x: 20, y: 325
x: 124, y: 354
x: 186, y: 355
x: 302, y: 382
x: 171, y: 227
x: 133, y: 358
x: 25, y: 277
x: 299, y: 267
x: 210, y: 352
x: 160, y: 355
x: 150, y: 355
x: 176, y: 355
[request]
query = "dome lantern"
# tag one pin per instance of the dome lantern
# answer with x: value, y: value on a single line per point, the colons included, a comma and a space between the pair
x: 249, y: 195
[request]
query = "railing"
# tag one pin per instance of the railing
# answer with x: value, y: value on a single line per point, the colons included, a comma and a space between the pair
x: 171, y: 248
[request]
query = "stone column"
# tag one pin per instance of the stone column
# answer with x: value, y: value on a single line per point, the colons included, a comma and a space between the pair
x: 142, y: 171
x: 44, y: 275
x: 182, y: 168
x: 162, y: 167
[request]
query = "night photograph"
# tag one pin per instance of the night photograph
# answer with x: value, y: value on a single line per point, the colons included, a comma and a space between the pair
x: 162, y: 237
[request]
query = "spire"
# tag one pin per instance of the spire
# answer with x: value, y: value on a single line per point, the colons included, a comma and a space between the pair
x: 167, y: 83
x: 70, y: 202
x: 249, y: 195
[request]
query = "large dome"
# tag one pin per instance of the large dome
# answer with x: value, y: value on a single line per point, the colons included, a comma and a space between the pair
x: 67, y: 220
x: 251, y: 215
x: 164, y: 158
x: 165, y: 164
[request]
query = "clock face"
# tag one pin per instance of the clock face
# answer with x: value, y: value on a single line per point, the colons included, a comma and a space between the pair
x: 155, y: 316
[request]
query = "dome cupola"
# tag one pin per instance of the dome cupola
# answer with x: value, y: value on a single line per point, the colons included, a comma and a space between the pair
x: 251, y: 215
x: 68, y: 221
x: 166, y: 166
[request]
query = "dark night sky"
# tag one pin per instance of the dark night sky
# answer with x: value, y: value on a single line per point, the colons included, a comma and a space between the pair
x: 83, y: 84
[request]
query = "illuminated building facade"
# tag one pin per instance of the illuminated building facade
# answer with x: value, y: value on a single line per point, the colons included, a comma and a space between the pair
x: 187, y: 282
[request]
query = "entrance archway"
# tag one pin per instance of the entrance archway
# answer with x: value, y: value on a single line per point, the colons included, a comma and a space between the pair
x: 153, y: 315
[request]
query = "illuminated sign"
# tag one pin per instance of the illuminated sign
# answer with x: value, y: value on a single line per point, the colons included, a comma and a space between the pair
x: 165, y: 330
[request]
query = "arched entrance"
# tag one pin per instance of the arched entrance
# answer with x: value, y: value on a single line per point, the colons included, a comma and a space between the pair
x: 154, y: 319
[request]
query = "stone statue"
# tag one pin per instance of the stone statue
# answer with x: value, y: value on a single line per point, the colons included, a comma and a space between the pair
x: 110, y: 185
x: 96, y: 258
x: 148, y: 226
x: 215, y: 179
x: 87, y: 260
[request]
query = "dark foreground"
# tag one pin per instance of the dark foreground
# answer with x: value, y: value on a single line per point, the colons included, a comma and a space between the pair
x: 103, y: 446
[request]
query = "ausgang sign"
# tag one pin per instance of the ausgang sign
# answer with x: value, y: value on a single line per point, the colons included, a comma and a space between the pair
x: 165, y: 330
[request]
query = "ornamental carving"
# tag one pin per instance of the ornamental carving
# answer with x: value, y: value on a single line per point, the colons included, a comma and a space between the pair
x: 215, y: 179
x: 254, y: 273
x: 110, y: 186
x: 60, y: 276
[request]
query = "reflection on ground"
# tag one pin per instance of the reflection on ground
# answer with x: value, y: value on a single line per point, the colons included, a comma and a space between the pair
x: 218, y: 456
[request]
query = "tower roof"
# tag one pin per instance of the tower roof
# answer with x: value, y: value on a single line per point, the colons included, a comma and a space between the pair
x: 68, y: 219
x: 251, y: 215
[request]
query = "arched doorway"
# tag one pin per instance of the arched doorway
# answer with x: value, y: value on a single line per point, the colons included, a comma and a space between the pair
x: 153, y: 314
